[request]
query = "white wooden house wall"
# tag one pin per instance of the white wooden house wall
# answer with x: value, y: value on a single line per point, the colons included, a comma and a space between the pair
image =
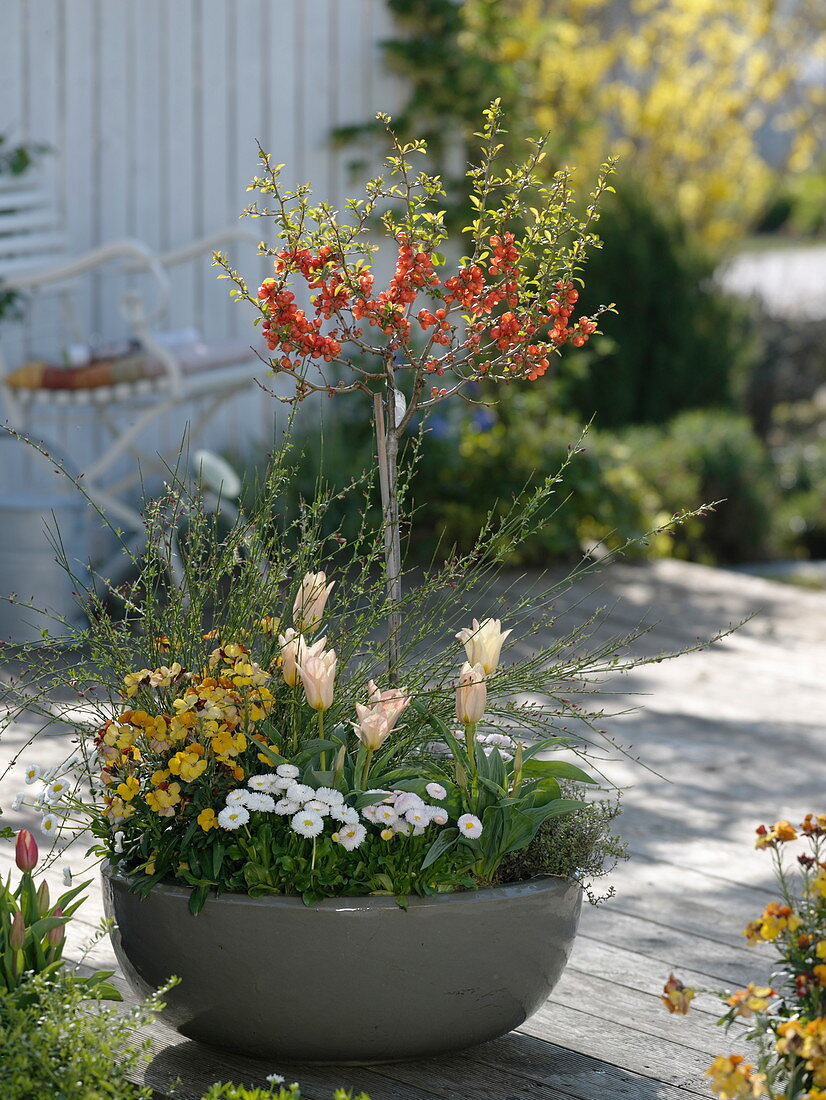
x: 152, y: 109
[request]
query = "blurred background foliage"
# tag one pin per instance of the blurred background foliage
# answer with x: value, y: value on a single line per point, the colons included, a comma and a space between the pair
x: 718, y: 115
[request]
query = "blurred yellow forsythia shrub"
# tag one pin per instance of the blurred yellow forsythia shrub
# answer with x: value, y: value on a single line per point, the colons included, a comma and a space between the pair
x: 693, y: 94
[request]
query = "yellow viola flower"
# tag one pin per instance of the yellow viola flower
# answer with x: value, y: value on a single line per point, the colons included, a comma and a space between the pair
x: 116, y: 810
x: 752, y: 999
x: 207, y: 819
x: 129, y: 788
x: 734, y: 1079
x: 132, y: 681
x: 817, y: 886
x: 677, y: 997
x: 269, y: 624
x: 164, y: 800
x: 820, y: 950
x: 819, y: 972
x: 160, y: 776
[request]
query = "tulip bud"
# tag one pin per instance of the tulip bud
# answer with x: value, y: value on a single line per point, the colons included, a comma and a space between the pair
x: 471, y: 694
x: 17, y: 932
x: 55, y: 936
x: 308, y: 606
x: 25, y: 850
x: 483, y: 643
x: 318, y: 674
x: 43, y: 898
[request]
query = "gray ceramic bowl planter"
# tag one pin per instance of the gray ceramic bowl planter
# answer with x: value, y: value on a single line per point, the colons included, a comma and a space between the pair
x: 349, y: 979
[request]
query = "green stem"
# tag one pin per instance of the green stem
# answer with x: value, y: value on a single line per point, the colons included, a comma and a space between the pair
x: 470, y: 745
x: 323, y: 758
x: 366, y: 769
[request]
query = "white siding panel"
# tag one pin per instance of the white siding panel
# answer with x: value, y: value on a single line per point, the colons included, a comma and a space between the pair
x: 153, y: 110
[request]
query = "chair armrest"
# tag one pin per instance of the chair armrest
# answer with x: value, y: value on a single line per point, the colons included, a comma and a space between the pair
x: 211, y: 243
x: 141, y: 256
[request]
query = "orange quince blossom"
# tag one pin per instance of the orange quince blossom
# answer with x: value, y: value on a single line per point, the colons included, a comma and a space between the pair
x: 677, y: 997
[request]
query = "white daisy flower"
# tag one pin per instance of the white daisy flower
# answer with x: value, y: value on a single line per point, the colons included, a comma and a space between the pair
x: 387, y: 834
x: 233, y: 816
x: 40, y: 800
x: 470, y: 825
x: 237, y: 798
x: 386, y: 815
x: 19, y: 800
x: 67, y: 876
x: 56, y: 790
x: 329, y: 795
x: 439, y: 816
x: 118, y: 845
x: 346, y: 814
x: 284, y: 807
x: 288, y: 771
x: 307, y: 823
x: 50, y: 824
x: 418, y: 816
x: 299, y: 792
x: 406, y: 800
x: 259, y: 801
x: 351, y: 836
x: 437, y: 791
x: 319, y: 807
x: 418, y: 830
x: 404, y: 828
x: 33, y: 773
x: 371, y: 812
x: 275, y: 1079
x: 265, y: 783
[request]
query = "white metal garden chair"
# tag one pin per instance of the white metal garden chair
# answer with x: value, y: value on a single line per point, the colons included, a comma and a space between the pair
x: 124, y: 410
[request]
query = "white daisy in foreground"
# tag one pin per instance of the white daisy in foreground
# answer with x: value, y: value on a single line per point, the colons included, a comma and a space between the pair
x: 56, y: 790
x: 237, y: 798
x: 329, y: 795
x: 299, y: 792
x: 406, y: 800
x: 317, y: 806
x: 439, y: 816
x: 419, y: 816
x: 345, y: 814
x: 259, y: 801
x: 265, y: 783
x: 50, y: 824
x: 67, y: 876
x: 233, y: 816
x: 32, y: 773
x: 436, y: 790
x: 286, y: 806
x: 118, y: 846
x: 371, y: 813
x: 470, y: 825
x: 350, y: 836
x: 386, y: 815
x: 288, y: 771
x: 307, y: 823
x: 275, y: 1079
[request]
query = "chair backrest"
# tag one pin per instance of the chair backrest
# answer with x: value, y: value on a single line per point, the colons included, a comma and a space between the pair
x: 30, y: 231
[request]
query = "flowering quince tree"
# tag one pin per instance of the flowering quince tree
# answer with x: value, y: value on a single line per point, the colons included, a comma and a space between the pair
x: 249, y: 732
x: 502, y: 315
x: 787, y: 1025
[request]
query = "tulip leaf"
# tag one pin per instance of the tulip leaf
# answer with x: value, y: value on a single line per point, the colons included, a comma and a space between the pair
x: 560, y: 769
x: 443, y: 843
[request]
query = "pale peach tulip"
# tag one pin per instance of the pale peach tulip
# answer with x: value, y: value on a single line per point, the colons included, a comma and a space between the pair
x: 373, y: 727
x: 318, y: 675
x: 471, y: 694
x: 310, y: 599
x: 392, y: 702
x: 483, y: 643
x: 294, y: 649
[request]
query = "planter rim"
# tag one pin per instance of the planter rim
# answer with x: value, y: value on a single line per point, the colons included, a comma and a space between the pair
x: 362, y: 901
